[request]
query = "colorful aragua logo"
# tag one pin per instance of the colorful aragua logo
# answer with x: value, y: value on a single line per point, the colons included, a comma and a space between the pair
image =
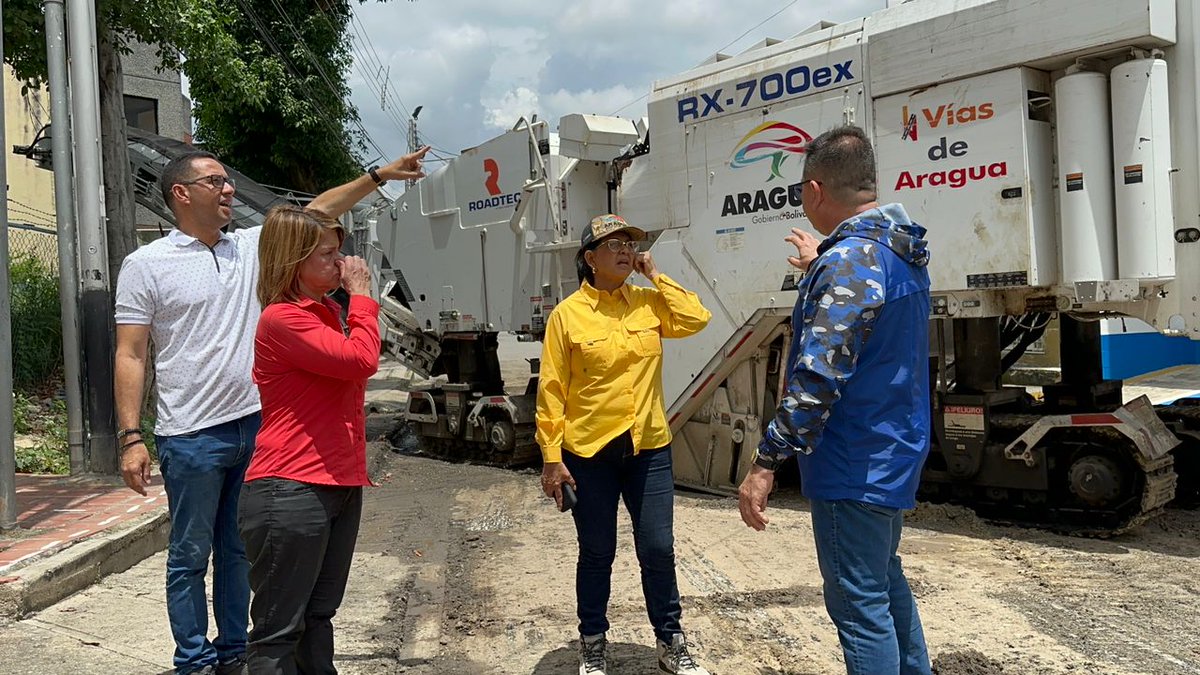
x: 775, y: 141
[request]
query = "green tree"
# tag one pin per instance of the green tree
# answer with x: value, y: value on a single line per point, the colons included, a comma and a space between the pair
x: 25, y: 51
x: 268, y: 80
x: 290, y: 122
x: 252, y: 92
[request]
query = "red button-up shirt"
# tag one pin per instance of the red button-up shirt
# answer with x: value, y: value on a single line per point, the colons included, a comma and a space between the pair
x: 312, y: 379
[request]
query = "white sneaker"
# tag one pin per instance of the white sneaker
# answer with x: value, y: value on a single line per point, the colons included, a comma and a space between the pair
x: 591, y: 655
x: 674, y: 658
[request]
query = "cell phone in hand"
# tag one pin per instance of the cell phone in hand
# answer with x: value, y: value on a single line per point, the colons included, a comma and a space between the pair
x: 568, y: 498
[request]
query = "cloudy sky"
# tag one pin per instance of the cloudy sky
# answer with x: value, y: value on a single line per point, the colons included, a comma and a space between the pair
x: 476, y: 66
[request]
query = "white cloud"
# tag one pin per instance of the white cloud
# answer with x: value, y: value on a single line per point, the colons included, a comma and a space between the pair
x: 603, y: 101
x: 477, y: 66
x: 513, y: 105
x: 597, y: 17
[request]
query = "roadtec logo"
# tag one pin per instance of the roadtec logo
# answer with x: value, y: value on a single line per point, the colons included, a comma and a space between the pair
x: 492, y: 183
x: 774, y: 142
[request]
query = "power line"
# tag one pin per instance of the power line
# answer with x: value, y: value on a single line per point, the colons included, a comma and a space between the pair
x: 38, y: 99
x: 270, y: 42
x: 759, y: 25
x: 330, y: 120
x: 309, y: 53
x: 367, y: 35
x: 400, y: 124
x: 640, y: 98
x: 383, y: 88
x: 379, y: 89
x: 321, y: 70
x: 731, y: 43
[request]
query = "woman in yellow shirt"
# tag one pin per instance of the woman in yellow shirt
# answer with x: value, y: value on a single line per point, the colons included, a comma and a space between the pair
x: 602, y: 429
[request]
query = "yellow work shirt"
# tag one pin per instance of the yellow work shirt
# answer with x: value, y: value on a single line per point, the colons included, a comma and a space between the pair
x: 601, y: 370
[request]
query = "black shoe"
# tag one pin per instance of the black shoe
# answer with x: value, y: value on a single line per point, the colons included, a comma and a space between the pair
x: 235, y: 666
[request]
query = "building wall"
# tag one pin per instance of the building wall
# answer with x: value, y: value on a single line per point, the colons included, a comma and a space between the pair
x: 142, y: 79
x: 30, y: 189
x: 174, y: 113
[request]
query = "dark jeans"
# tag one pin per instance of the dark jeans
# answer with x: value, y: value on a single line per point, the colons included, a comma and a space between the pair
x: 866, y: 593
x: 300, y: 540
x: 202, y: 473
x: 644, y: 481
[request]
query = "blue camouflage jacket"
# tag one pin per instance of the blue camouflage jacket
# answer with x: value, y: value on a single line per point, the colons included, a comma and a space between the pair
x: 856, y: 409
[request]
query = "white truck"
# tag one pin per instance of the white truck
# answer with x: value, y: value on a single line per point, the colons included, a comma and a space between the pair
x: 1050, y: 147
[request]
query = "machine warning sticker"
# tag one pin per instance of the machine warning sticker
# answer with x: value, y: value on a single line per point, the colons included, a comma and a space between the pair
x: 1133, y: 174
x: 1074, y: 182
x: 998, y: 280
x: 964, y: 422
x: 731, y: 238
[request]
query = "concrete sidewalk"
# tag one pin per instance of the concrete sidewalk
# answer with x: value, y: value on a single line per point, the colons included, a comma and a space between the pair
x: 73, y: 531
x: 118, y: 625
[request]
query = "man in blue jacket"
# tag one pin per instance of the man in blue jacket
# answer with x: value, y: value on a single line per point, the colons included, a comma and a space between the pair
x: 856, y: 411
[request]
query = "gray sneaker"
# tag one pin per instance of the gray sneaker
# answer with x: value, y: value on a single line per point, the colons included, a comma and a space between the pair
x: 591, y: 655
x: 674, y: 658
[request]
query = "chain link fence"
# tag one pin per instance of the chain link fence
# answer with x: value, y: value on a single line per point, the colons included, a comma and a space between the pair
x: 33, y: 242
x: 33, y: 288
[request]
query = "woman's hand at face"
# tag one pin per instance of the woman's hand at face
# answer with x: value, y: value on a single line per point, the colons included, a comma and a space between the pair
x: 356, y: 277
x: 644, y: 264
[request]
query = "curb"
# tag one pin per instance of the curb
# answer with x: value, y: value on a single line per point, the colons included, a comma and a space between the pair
x: 46, y: 581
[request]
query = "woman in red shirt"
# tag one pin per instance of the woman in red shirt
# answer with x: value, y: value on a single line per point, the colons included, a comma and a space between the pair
x: 301, y: 504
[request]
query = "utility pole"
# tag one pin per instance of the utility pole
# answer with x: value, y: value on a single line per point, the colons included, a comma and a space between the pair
x: 8, y: 457
x: 64, y: 208
x: 96, y: 306
x: 414, y: 141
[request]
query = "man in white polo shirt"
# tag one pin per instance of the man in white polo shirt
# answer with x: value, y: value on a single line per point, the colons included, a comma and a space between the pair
x: 193, y: 293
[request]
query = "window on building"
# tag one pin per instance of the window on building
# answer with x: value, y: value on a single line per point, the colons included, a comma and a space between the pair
x: 142, y: 113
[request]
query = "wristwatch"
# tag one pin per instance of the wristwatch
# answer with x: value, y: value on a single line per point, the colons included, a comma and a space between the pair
x: 374, y: 173
x: 769, y: 463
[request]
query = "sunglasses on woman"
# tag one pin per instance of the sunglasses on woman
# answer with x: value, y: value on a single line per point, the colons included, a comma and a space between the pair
x: 615, y: 245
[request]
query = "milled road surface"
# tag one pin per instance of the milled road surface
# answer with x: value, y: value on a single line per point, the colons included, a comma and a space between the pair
x: 466, y: 569
x: 490, y: 578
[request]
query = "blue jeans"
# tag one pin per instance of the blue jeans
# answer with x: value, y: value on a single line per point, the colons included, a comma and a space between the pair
x: 644, y: 481
x: 866, y: 593
x: 203, y: 472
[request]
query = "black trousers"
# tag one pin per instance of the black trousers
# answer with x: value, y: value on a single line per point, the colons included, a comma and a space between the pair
x: 300, y: 541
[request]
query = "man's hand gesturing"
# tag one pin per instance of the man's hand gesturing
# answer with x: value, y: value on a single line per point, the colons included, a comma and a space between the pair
x: 806, y: 248
x: 408, y: 167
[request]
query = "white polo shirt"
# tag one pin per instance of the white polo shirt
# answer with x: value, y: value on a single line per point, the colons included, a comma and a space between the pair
x: 202, y: 311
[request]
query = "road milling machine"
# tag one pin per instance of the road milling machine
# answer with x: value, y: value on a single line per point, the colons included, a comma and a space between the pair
x: 1050, y: 148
